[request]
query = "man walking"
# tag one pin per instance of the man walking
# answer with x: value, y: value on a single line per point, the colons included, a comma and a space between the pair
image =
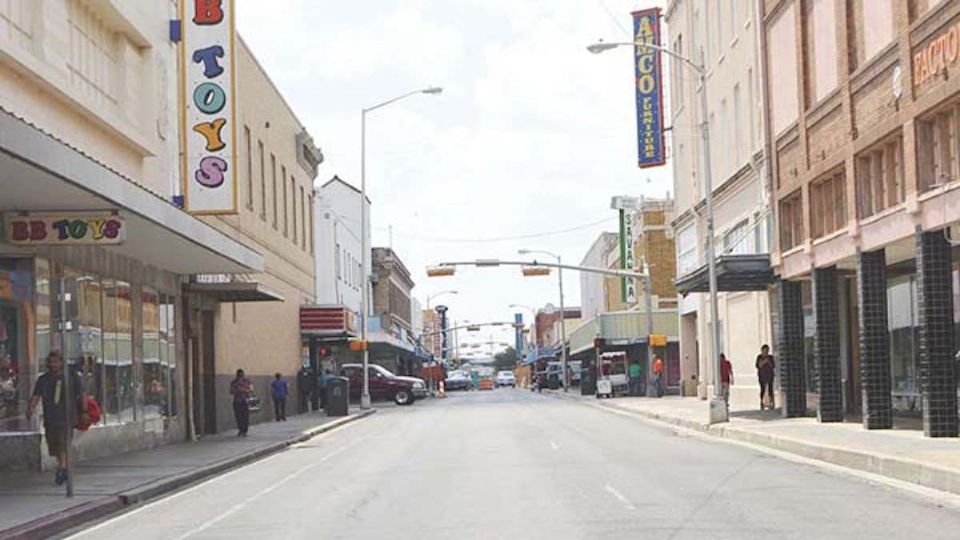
x: 765, y: 371
x: 658, y: 375
x: 634, y: 372
x: 241, y: 388
x: 279, y: 391
x: 726, y: 378
x: 50, y: 390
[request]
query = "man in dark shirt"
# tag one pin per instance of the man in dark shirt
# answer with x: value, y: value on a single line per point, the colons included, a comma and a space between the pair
x: 241, y: 389
x: 50, y: 390
x: 766, y: 368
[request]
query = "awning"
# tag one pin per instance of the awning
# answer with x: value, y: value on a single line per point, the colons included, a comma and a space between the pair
x: 240, y: 291
x: 735, y: 273
x: 39, y: 173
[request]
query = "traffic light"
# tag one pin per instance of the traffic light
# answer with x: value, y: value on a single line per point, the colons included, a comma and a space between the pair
x: 358, y: 345
x: 323, y: 351
x: 529, y: 271
x: 473, y: 328
x: 440, y: 271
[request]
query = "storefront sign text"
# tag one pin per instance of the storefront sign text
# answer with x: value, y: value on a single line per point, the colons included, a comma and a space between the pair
x: 209, y: 107
x: 63, y: 230
x: 649, y: 88
x: 937, y: 56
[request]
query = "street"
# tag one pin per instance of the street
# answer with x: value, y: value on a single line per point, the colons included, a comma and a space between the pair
x: 512, y: 464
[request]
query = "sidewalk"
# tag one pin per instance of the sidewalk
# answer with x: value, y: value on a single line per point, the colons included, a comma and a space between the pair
x: 902, y: 453
x: 31, y: 506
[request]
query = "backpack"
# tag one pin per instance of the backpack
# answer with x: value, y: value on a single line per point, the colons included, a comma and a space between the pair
x: 93, y: 414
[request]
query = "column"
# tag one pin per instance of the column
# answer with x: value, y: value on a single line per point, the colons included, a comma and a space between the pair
x: 827, y: 344
x: 790, y: 318
x: 874, y: 340
x: 938, y: 383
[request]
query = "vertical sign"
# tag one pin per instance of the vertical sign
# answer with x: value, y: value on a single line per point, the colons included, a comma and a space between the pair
x: 649, y: 83
x: 208, y: 107
x: 630, y: 291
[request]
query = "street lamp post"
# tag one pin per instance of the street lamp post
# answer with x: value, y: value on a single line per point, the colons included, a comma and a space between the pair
x: 563, y: 315
x: 441, y: 293
x: 533, y: 313
x: 364, y: 294
x: 718, y: 407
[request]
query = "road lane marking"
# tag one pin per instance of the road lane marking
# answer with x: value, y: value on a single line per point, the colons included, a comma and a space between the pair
x: 243, y: 504
x: 203, y: 483
x: 554, y: 445
x: 619, y: 496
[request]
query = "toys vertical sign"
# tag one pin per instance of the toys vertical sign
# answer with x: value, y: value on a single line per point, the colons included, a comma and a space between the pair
x: 208, y: 99
x: 649, y: 86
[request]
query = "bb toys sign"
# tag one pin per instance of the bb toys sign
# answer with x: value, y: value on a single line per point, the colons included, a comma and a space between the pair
x: 61, y: 230
x: 209, y: 99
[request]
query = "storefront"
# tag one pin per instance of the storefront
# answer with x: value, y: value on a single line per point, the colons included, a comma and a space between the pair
x: 93, y: 265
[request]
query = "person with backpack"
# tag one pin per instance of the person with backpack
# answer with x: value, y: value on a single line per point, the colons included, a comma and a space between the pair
x: 49, y: 389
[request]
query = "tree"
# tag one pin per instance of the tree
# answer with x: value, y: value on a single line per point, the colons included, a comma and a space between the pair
x: 505, y: 360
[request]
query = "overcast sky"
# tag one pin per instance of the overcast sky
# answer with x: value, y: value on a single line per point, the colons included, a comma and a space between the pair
x: 532, y: 133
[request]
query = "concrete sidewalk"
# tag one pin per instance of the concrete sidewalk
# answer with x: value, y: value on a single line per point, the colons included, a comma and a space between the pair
x: 902, y: 453
x: 31, y: 506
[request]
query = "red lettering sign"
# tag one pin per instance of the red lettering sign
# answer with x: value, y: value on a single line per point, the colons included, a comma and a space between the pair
x: 208, y: 11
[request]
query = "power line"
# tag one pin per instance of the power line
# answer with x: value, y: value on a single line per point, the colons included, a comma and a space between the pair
x: 506, y: 238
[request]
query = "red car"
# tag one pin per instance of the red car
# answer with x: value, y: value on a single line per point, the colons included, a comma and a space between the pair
x: 384, y: 384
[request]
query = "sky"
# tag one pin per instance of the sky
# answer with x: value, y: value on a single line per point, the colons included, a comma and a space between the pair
x: 531, y: 135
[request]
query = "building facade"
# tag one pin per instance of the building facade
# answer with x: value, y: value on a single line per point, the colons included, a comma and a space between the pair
x: 724, y: 36
x: 89, y: 171
x: 863, y: 129
x: 339, y: 246
x: 393, y: 344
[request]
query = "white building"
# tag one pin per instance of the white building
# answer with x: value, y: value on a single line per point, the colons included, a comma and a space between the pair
x: 338, y: 245
x: 602, y: 253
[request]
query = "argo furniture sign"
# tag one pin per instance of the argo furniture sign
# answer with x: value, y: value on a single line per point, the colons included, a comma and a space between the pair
x: 649, y: 88
x: 208, y: 98
x: 42, y: 230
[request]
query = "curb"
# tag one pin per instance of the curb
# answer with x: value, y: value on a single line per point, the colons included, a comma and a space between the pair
x: 75, y: 516
x: 895, y: 468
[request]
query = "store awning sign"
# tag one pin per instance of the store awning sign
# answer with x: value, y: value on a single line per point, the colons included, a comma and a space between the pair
x: 649, y: 88
x: 208, y: 101
x: 45, y: 230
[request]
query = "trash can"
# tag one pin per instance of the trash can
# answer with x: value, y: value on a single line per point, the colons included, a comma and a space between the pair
x: 588, y: 381
x: 338, y: 396
x: 554, y: 381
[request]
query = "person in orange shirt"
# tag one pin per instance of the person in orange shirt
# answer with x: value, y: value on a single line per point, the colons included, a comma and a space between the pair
x: 657, y: 370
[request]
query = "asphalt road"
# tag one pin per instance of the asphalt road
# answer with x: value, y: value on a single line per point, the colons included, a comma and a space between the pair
x: 510, y: 464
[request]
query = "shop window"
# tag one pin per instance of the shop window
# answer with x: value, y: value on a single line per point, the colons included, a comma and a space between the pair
x: 151, y: 369
x: 809, y: 333
x: 88, y: 334
x: 828, y: 204
x: 111, y: 392
x: 126, y: 382
x: 903, y: 323
x: 162, y: 390
x: 880, y: 177
x: 791, y: 221
x: 937, y: 150
x: 16, y: 297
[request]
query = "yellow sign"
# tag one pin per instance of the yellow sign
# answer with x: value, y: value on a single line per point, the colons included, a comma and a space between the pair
x: 658, y: 340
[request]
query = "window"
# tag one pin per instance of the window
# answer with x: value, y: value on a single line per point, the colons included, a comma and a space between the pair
x: 336, y: 260
x: 937, y: 149
x: 273, y: 186
x: 723, y: 158
x: 782, y: 67
x: 126, y: 386
x: 151, y: 371
x: 294, y: 226
x: 920, y: 7
x: 96, y: 63
x: 286, y: 207
x: 677, y: 73
x: 737, y: 146
x: 737, y: 241
x: 249, y: 154
x: 263, y: 183
x: 903, y: 323
x: 876, y: 22
x: 303, y: 219
x: 687, y: 258
x: 312, y: 210
x: 716, y: 29
x: 880, y: 177
x: 733, y: 18
x: 791, y: 221
x: 820, y: 36
x: 828, y: 204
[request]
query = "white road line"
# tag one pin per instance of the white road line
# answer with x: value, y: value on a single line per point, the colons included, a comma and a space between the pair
x: 240, y: 506
x: 191, y: 489
x: 554, y: 445
x: 619, y: 496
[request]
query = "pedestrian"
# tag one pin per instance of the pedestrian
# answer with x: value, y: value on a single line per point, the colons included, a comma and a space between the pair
x: 765, y: 371
x: 305, y: 384
x: 322, y: 383
x: 241, y: 388
x: 726, y: 378
x: 49, y: 389
x: 658, y: 375
x: 633, y: 373
x: 279, y: 391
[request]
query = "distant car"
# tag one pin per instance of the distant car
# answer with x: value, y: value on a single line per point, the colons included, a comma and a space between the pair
x: 506, y: 378
x: 457, y: 380
x: 384, y: 384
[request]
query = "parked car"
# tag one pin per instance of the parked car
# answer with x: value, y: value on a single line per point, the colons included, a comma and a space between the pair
x: 505, y: 378
x: 384, y: 384
x: 457, y: 380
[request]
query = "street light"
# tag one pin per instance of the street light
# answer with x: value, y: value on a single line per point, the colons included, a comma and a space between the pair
x: 563, y: 314
x: 533, y: 311
x: 718, y: 407
x: 364, y: 295
x: 441, y: 293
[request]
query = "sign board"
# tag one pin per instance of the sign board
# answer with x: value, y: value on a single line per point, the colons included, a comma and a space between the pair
x: 64, y: 229
x: 628, y: 286
x: 208, y: 101
x: 939, y: 54
x: 649, y: 88
x: 658, y: 340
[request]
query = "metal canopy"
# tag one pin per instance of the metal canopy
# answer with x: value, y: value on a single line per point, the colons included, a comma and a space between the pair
x: 237, y: 291
x: 735, y: 273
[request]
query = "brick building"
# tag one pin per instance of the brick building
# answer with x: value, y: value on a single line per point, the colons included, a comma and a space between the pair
x: 863, y: 109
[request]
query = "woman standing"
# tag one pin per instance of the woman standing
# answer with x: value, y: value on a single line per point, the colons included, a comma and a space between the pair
x: 241, y: 389
x: 765, y: 371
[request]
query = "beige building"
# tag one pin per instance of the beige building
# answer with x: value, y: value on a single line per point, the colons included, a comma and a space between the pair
x: 255, y: 318
x: 89, y: 171
x: 724, y: 36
